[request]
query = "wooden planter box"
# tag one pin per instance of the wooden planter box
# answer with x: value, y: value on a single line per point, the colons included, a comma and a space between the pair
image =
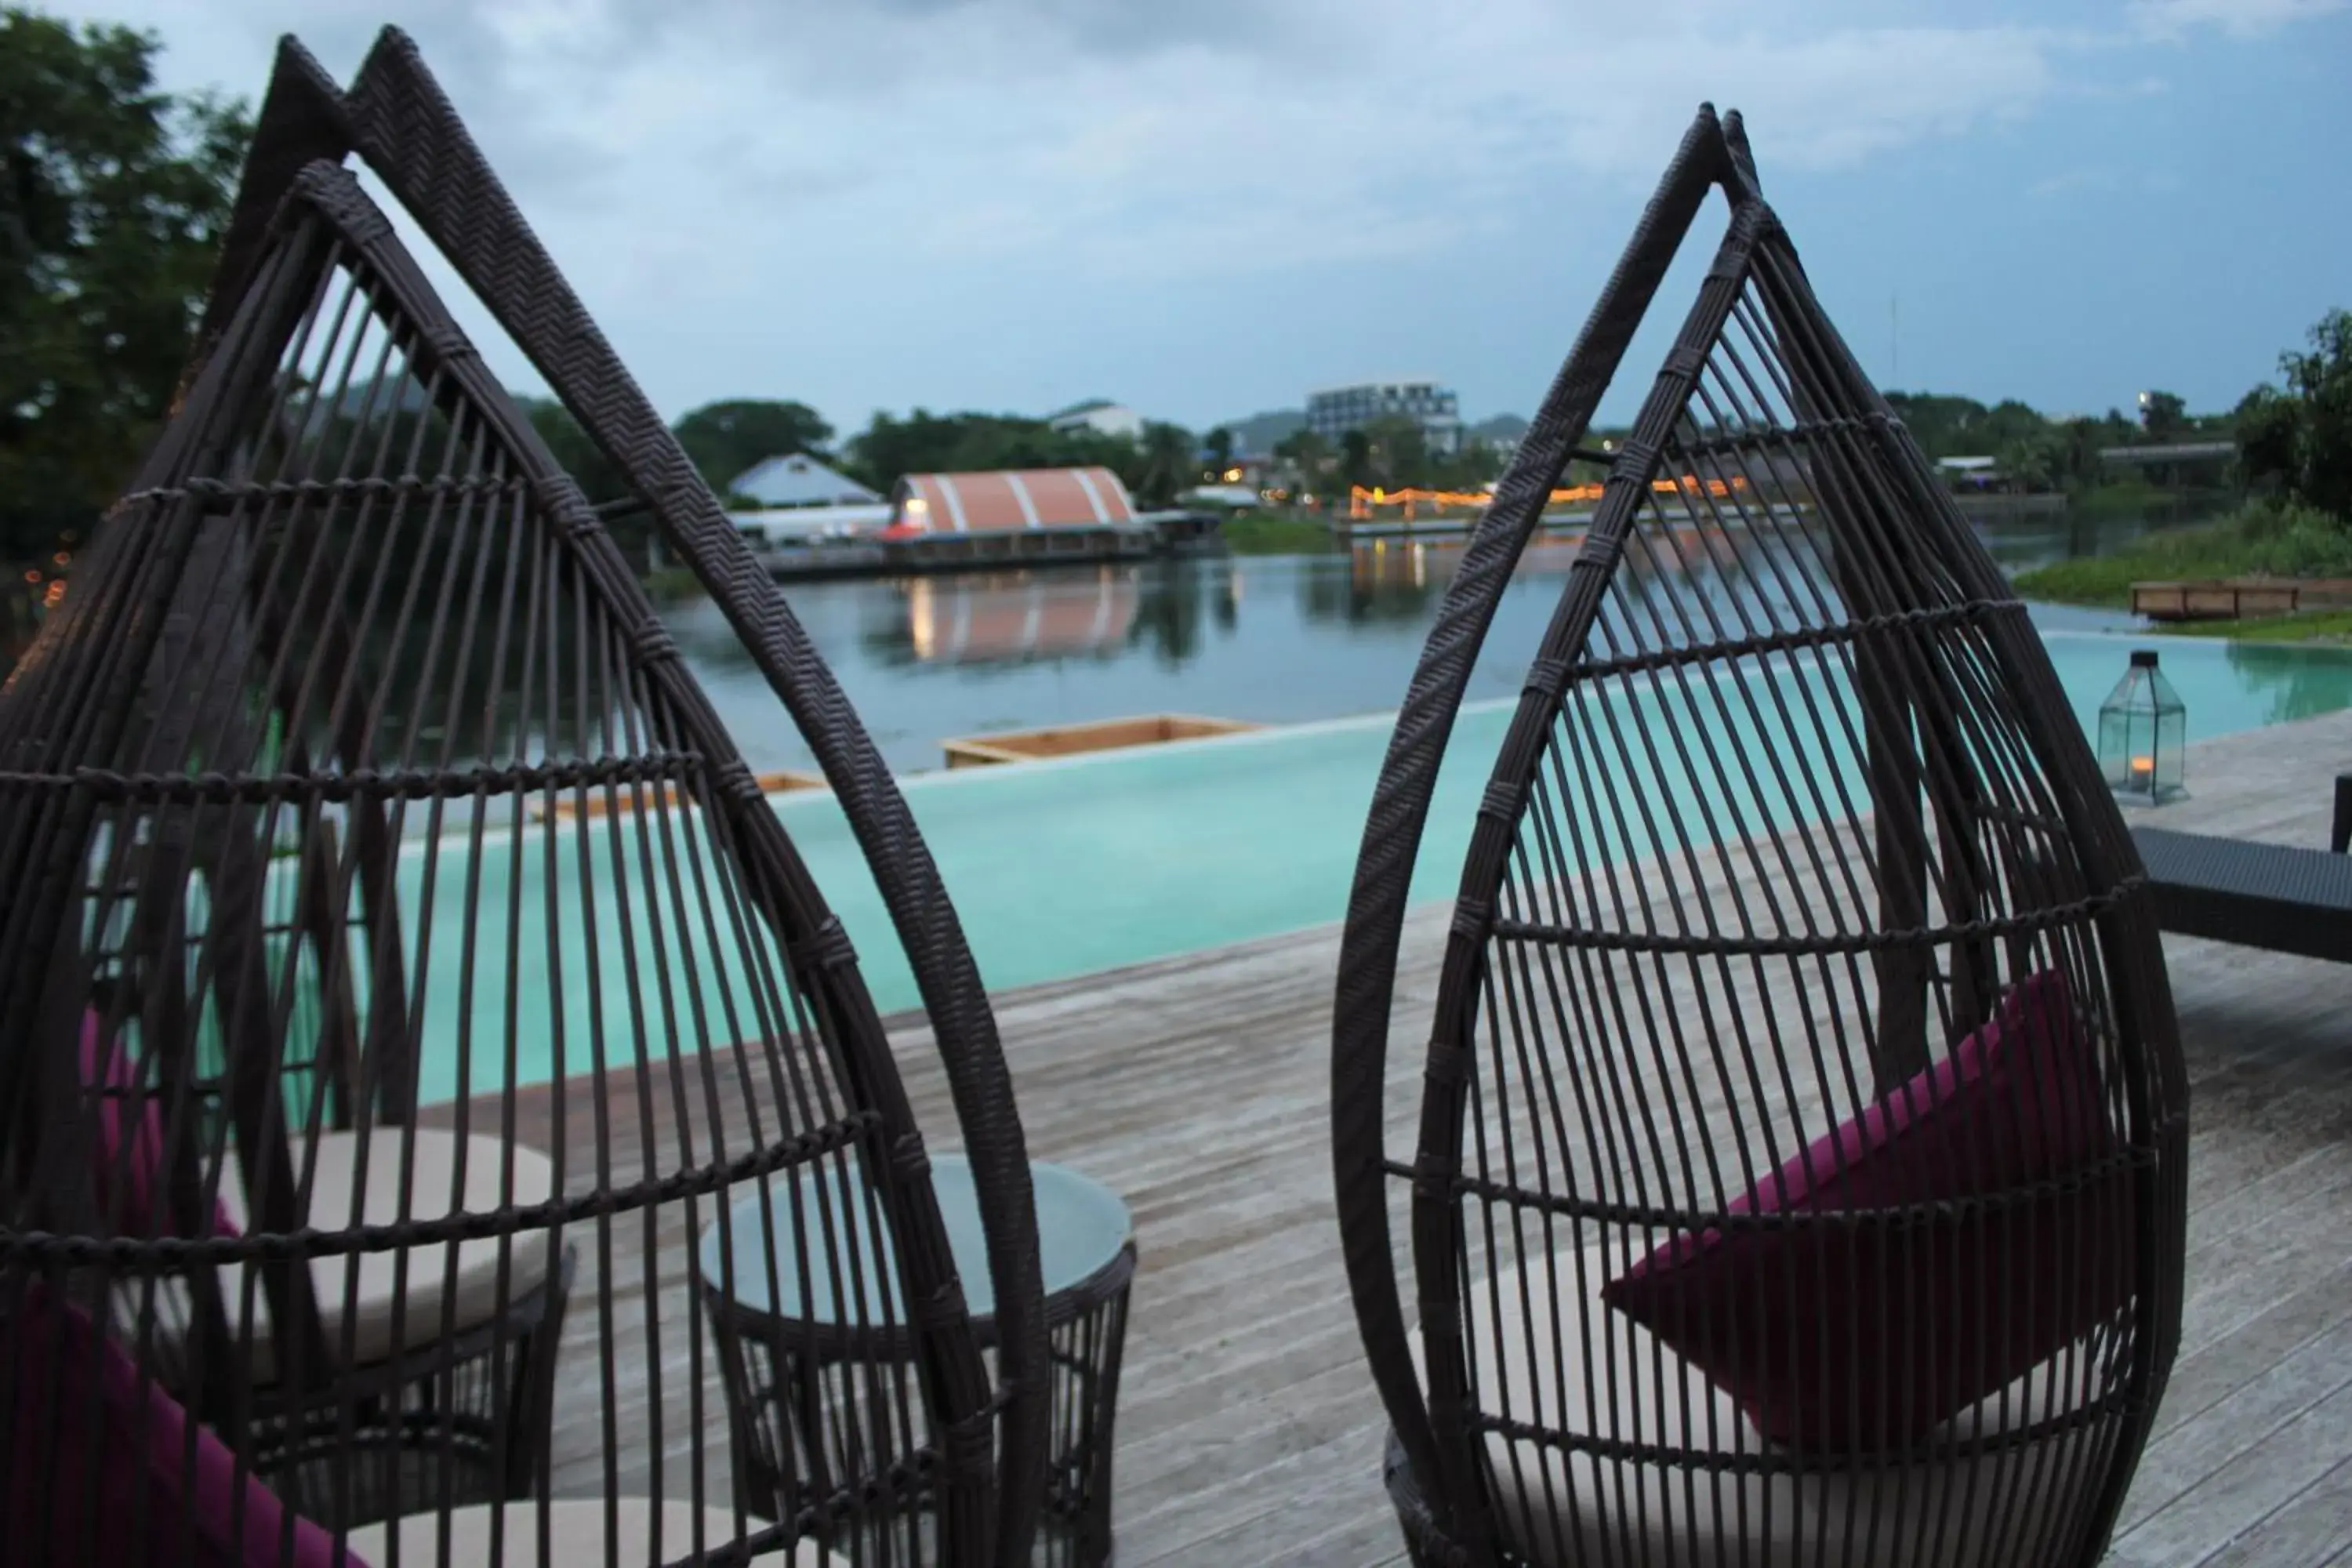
x: 1073, y: 740
x: 568, y: 807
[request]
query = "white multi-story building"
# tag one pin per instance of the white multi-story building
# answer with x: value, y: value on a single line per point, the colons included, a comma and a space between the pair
x: 1336, y: 410
x: 1100, y: 416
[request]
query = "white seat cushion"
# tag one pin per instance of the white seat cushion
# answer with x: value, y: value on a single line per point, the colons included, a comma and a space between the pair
x: 1563, y: 1510
x: 437, y: 1189
x: 576, y: 1536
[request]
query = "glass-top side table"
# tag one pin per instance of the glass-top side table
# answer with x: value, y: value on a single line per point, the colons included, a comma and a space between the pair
x: 790, y: 1366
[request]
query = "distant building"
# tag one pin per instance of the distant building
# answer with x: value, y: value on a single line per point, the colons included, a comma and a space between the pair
x: 799, y: 479
x: 1007, y: 500
x: 1100, y: 416
x: 1231, y: 498
x: 1334, y: 411
x: 1976, y: 472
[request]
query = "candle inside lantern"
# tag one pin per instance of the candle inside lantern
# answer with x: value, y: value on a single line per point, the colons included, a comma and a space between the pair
x: 2143, y: 772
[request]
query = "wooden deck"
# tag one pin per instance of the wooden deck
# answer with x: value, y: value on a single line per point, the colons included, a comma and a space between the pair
x: 1248, y: 1430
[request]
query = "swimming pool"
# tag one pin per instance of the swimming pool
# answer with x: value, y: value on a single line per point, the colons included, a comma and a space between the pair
x: 1062, y: 868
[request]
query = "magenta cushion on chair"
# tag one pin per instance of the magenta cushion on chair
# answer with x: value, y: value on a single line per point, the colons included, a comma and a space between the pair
x: 1861, y: 1337
x: 143, y: 1173
x: 139, y: 1442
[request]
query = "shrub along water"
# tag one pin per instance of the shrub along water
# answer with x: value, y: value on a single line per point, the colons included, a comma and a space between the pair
x: 2261, y: 538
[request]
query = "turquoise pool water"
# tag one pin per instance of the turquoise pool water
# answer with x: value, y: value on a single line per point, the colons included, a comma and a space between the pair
x: 1061, y: 868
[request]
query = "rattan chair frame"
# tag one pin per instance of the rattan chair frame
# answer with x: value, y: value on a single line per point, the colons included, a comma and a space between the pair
x: 77, y: 687
x: 1924, y: 727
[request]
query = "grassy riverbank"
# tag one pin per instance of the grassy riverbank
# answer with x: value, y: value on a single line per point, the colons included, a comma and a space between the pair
x: 2260, y: 539
x: 1275, y: 533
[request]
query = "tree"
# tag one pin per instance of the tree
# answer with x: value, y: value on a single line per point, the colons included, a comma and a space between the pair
x: 117, y: 197
x: 1477, y: 463
x: 2267, y: 436
x: 2162, y: 414
x: 575, y: 452
x: 1217, y: 447
x: 1399, y: 450
x: 1943, y: 425
x: 1355, y: 459
x: 2079, y: 441
x: 1307, y: 454
x: 2299, y: 436
x: 726, y: 439
x: 2010, y: 420
x: 2034, y: 461
x: 889, y: 448
x: 1305, y: 448
x: 2321, y: 382
x: 1167, y: 464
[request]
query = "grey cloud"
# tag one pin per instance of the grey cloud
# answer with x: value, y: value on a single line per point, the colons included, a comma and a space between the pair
x: 534, y: 151
x: 798, y: 31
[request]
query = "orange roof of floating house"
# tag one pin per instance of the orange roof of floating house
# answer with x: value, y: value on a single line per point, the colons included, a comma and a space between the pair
x: 1006, y: 500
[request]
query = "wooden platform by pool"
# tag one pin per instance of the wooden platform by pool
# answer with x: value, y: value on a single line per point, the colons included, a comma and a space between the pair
x: 1073, y: 740
x: 599, y: 803
x: 2236, y: 598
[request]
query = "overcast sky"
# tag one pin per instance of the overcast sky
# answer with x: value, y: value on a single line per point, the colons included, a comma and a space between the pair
x: 1204, y: 207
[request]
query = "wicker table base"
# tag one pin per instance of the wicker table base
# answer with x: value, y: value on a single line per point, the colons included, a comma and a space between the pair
x: 792, y: 1373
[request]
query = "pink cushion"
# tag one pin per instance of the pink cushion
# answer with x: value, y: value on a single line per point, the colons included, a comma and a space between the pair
x: 1860, y: 1337
x: 142, y: 1175
x: 114, y: 1474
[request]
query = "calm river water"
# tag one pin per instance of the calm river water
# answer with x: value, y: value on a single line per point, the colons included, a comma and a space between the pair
x: 1276, y: 639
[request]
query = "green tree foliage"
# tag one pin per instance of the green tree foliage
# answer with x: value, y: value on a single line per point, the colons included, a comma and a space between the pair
x: 575, y: 452
x: 2034, y: 458
x: 1155, y: 468
x: 726, y: 439
x: 1305, y: 450
x: 2268, y: 435
x: 1217, y: 447
x: 2163, y: 415
x: 1307, y: 456
x: 116, y: 194
x: 1399, y: 451
x: 1392, y: 452
x: 1950, y: 427
x: 925, y: 442
x: 1166, y: 463
x: 2298, y: 438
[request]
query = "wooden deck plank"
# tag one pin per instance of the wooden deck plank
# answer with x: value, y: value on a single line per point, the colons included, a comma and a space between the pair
x: 2273, y: 1471
x: 1248, y: 1431
x: 2315, y: 1528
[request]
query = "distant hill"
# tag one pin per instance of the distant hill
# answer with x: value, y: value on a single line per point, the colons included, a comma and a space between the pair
x: 1256, y: 435
x: 1502, y: 430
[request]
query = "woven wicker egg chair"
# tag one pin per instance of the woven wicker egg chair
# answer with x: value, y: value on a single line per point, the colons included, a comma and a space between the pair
x: 1798, y: 1164
x: 397, y: 947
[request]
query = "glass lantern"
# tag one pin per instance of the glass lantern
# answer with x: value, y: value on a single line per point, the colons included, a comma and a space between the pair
x: 2142, y: 730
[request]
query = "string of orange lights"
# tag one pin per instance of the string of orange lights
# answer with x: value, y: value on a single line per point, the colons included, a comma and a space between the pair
x: 1360, y: 499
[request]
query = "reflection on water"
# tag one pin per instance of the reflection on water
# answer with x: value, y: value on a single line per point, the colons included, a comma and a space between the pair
x: 1005, y: 618
x: 2297, y: 685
